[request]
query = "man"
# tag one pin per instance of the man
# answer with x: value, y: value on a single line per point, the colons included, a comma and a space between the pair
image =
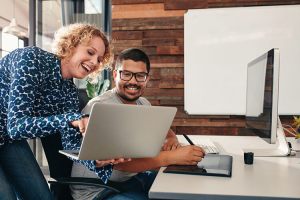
x: 131, y: 76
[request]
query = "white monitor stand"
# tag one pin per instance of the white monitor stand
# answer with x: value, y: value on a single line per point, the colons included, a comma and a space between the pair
x: 280, y: 148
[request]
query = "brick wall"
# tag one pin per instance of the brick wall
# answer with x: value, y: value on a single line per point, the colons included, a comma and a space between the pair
x: 156, y: 26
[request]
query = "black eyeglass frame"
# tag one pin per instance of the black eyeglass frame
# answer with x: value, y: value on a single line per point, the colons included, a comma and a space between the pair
x: 133, y: 75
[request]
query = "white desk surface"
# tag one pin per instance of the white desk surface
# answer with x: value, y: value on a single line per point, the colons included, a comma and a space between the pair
x: 267, y: 178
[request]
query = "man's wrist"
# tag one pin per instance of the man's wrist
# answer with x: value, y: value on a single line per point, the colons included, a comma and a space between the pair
x: 163, y: 159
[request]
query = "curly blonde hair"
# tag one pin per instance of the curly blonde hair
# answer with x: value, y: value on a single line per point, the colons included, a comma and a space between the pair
x: 67, y: 38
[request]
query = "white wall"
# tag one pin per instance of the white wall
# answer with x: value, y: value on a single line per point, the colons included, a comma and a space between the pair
x: 218, y: 44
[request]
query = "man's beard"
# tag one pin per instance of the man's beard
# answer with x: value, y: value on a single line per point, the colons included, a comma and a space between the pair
x: 124, y: 97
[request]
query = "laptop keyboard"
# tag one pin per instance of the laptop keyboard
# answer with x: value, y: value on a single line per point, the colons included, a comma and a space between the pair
x: 209, y: 149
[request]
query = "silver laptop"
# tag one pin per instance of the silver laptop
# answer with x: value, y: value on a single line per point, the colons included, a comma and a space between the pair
x: 127, y: 131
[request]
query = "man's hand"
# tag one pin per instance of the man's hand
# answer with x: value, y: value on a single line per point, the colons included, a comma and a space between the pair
x: 81, y: 124
x: 102, y: 163
x: 186, y: 155
x: 171, y: 142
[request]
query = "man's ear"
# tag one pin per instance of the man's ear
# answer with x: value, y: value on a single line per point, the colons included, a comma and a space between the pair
x: 148, y: 78
x: 115, y: 73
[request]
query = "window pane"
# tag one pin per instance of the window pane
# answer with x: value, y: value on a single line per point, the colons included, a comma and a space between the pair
x: 47, y: 25
x: 93, y: 6
x: 9, y: 43
x: 21, y: 43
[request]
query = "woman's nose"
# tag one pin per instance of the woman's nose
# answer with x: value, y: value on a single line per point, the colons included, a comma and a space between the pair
x: 95, y: 60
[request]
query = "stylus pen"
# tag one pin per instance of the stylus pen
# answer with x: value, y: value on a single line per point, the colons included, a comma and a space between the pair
x: 188, y: 139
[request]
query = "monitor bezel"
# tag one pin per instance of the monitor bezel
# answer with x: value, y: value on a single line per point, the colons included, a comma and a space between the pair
x: 275, y: 65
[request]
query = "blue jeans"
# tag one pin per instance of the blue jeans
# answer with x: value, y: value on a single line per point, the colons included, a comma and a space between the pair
x: 20, y: 174
x: 135, y: 188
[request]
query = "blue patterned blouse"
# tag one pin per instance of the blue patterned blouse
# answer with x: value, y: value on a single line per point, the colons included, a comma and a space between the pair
x: 36, y: 101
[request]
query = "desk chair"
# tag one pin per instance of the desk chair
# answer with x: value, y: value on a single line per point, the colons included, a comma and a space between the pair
x: 60, y: 172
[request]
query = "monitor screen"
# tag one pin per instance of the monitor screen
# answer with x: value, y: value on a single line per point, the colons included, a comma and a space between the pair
x: 262, y: 95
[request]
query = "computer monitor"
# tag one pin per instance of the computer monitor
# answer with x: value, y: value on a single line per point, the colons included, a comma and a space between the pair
x: 262, y: 104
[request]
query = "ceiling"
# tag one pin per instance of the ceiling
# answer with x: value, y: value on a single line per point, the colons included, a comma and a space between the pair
x: 50, y: 14
x: 20, y: 10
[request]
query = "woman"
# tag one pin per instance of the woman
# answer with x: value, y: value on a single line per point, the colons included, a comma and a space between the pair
x: 38, y: 98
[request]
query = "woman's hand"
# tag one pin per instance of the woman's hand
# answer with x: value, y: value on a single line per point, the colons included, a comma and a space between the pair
x: 81, y: 124
x: 102, y: 163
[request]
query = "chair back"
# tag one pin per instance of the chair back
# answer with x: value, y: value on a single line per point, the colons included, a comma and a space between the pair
x: 59, y: 165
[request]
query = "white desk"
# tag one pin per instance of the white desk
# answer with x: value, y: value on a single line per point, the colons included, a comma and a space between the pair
x: 267, y: 178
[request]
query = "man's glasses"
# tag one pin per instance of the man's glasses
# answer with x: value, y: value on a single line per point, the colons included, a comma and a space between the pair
x: 127, y: 76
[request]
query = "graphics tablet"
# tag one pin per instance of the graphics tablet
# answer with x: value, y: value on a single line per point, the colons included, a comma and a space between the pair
x: 211, y: 165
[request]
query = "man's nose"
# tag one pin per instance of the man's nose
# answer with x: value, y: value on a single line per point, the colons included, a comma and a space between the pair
x: 133, y: 79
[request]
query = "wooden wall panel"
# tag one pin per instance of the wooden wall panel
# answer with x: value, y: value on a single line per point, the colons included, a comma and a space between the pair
x: 198, y: 130
x: 202, y: 4
x: 168, y: 33
x: 117, y: 48
x: 183, y: 5
x: 170, y: 50
x: 156, y: 26
x: 166, y: 65
x: 240, y: 3
x: 159, y: 42
x: 143, y: 11
x: 147, y: 23
x: 166, y: 59
x: 127, y: 35
x: 128, y: 2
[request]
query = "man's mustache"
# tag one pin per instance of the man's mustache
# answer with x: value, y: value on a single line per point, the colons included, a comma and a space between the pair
x: 132, y: 85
